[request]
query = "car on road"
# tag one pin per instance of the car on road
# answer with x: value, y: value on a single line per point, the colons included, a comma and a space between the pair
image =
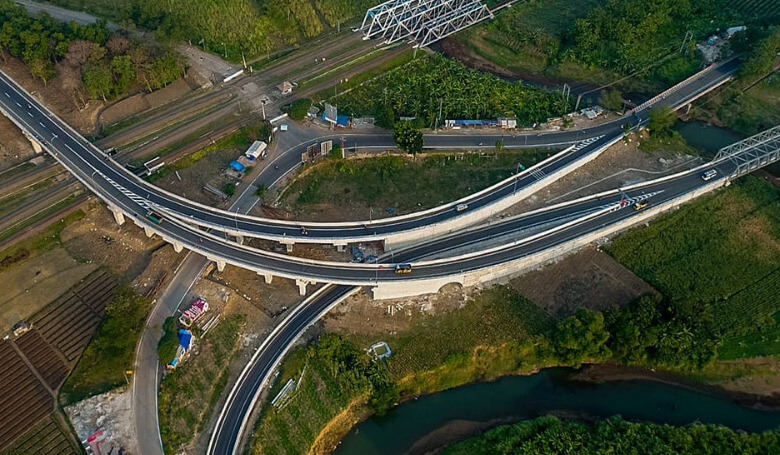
x: 403, y: 269
x: 709, y: 175
x: 640, y: 205
x: 461, y: 207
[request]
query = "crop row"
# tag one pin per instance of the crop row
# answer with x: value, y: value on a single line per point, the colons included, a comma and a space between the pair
x: 43, y: 358
x: 45, y: 438
x: 23, y: 399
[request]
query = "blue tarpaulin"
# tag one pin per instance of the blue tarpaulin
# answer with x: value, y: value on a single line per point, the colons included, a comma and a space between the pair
x: 185, y: 338
x: 341, y: 120
x: 237, y: 166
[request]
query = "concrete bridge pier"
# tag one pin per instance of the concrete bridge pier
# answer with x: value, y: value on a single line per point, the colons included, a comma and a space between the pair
x: 119, y: 217
x: 35, y: 145
x: 268, y: 277
x: 341, y: 247
x: 148, y: 231
x: 302, y: 286
x: 220, y: 264
x: 240, y: 239
x: 177, y: 247
x: 289, y: 245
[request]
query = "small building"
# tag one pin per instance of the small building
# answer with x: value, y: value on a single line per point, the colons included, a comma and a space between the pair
x: 19, y: 328
x: 285, y: 87
x: 256, y: 150
x: 507, y: 123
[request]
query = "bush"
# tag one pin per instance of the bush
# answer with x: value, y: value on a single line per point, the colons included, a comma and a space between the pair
x: 169, y: 343
x: 229, y: 189
x: 299, y: 108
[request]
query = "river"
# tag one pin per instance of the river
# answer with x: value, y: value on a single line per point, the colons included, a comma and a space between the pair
x: 464, y: 410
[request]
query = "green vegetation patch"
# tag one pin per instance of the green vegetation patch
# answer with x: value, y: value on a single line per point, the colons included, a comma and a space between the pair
x: 434, y: 87
x: 332, y: 373
x: 187, y: 395
x: 718, y: 256
x: 111, y: 351
x: 169, y: 343
x: 47, y: 240
x: 399, y: 182
x: 547, y: 435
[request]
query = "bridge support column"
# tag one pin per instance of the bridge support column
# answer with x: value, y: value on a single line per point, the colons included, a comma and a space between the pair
x: 301, y: 286
x: 268, y: 277
x: 35, y: 145
x: 289, y: 246
x: 177, y: 247
x: 220, y: 265
x: 240, y: 239
x: 149, y: 233
x: 341, y: 247
x: 119, y: 217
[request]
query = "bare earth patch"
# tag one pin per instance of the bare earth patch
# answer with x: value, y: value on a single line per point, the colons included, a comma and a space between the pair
x: 35, y: 282
x: 111, y: 412
x: 14, y: 147
x: 591, y: 279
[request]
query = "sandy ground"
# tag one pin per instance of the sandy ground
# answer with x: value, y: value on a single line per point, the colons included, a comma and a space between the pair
x: 144, y: 101
x: 362, y: 316
x: 37, y: 281
x: 193, y: 178
x: 125, y: 250
x: 110, y: 412
x: 14, y: 147
x: 590, y: 278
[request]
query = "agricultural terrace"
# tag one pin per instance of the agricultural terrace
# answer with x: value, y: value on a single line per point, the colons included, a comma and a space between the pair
x: 613, y: 435
x: 230, y: 28
x: 434, y: 87
x: 350, y: 188
x: 719, y: 258
x: 599, y: 40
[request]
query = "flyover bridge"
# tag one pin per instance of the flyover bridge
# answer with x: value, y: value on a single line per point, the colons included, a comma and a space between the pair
x: 127, y: 195
x: 593, y: 222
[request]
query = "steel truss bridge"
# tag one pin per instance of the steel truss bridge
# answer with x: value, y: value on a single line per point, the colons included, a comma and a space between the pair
x: 752, y: 153
x: 422, y: 21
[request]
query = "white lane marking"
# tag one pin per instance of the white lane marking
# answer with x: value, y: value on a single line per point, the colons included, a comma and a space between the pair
x: 29, y: 113
x: 18, y: 104
x: 41, y: 123
x: 6, y: 94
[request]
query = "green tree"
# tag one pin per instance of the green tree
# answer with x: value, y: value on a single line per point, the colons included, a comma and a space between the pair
x: 662, y: 120
x: 408, y: 138
x: 124, y: 73
x: 580, y: 337
x: 611, y: 99
x: 97, y: 81
x: 299, y: 108
x: 169, y: 343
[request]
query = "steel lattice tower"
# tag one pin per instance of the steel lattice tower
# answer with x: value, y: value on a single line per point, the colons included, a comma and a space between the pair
x: 422, y: 21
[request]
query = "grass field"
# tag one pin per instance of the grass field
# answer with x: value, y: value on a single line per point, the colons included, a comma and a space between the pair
x: 401, y: 183
x: 188, y: 395
x: 112, y: 349
x: 48, y: 239
x: 484, y: 339
x: 720, y: 254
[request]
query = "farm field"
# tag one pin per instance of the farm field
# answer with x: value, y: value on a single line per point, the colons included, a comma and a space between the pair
x: 48, y: 437
x: 720, y: 255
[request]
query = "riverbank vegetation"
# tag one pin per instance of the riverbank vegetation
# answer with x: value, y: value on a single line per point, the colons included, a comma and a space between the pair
x: 111, y: 351
x: 188, y: 394
x: 434, y: 88
x: 548, y: 435
x: 399, y: 182
x: 93, y: 62
x: 599, y: 41
x: 330, y: 374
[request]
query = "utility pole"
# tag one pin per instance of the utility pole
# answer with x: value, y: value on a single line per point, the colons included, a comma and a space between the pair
x: 262, y: 103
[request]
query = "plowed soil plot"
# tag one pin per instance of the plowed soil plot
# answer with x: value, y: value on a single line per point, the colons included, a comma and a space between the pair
x: 43, y: 358
x: 45, y: 438
x: 23, y: 399
x: 68, y: 323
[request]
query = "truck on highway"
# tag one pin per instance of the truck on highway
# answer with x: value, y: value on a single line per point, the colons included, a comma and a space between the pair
x: 154, y: 217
